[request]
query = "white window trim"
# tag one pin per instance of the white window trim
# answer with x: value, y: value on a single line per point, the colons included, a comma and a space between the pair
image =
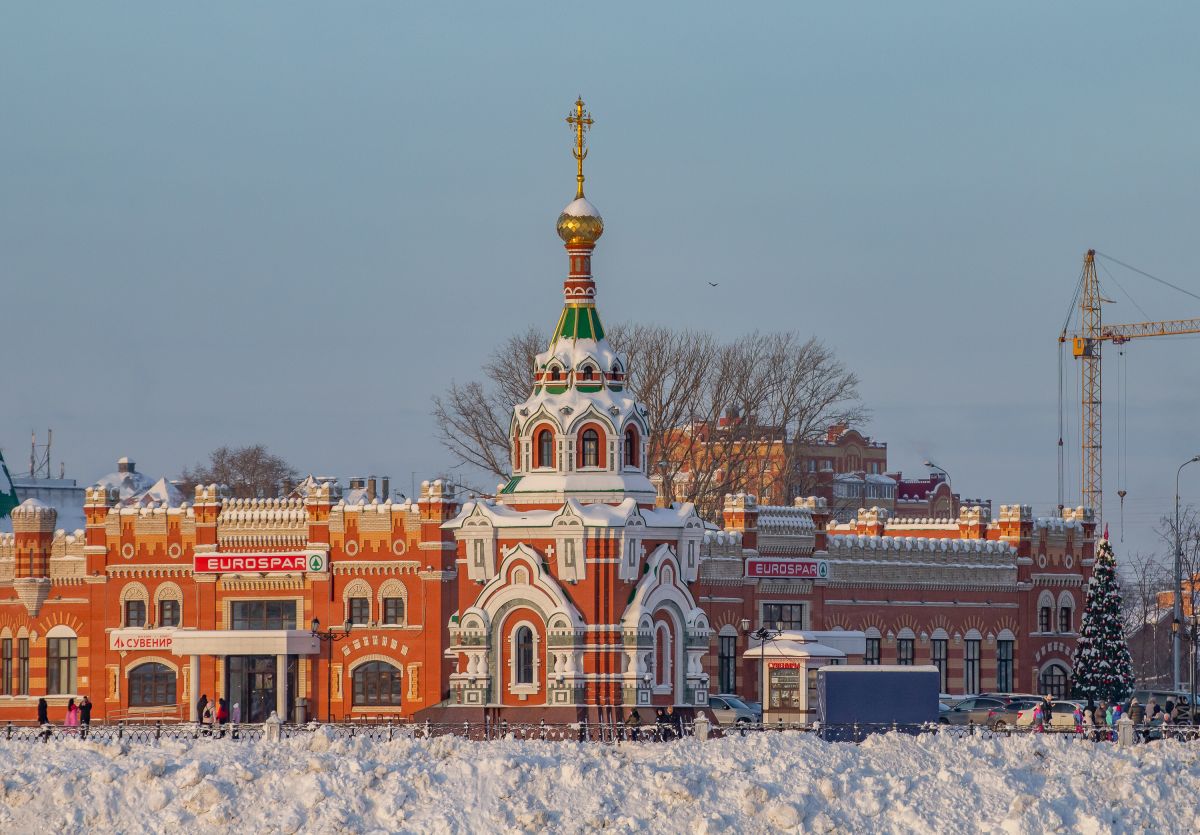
x: 524, y: 689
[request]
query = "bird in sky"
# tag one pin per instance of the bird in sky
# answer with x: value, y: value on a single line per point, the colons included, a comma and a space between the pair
x: 713, y: 283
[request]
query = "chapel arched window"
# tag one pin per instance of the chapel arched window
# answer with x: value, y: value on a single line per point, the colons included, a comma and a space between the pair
x: 591, y: 448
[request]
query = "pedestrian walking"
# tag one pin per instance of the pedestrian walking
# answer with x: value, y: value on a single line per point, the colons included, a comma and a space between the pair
x: 72, y: 717
x: 222, y: 717
x: 43, y: 712
x: 633, y: 725
x: 200, y: 706
x: 85, y: 716
x: 1077, y: 716
x: 206, y: 719
x: 662, y: 725
x: 1039, y: 718
x: 1137, y: 713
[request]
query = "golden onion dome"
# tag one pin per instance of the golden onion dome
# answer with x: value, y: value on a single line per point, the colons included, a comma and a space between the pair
x: 580, y: 223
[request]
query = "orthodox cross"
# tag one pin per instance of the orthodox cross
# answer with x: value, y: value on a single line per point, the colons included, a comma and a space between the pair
x: 579, y: 121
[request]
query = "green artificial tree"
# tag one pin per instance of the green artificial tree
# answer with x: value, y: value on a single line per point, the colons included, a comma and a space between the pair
x: 1103, y: 668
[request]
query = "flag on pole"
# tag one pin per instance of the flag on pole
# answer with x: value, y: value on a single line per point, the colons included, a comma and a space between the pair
x: 8, y: 493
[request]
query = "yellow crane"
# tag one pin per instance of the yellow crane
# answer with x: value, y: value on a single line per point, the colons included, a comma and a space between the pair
x: 1085, y: 346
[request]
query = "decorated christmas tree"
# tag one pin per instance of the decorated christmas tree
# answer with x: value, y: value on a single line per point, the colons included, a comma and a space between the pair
x: 1103, y: 668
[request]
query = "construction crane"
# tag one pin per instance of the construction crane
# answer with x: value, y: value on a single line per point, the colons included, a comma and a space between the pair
x: 1085, y: 346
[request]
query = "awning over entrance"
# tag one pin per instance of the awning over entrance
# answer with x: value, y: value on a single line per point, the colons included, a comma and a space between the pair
x: 245, y: 642
x: 792, y: 649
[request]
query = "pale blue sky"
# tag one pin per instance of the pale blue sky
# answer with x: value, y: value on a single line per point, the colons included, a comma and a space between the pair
x: 292, y: 223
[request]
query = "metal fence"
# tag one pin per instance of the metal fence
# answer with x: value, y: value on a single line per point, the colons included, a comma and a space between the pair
x: 593, y: 732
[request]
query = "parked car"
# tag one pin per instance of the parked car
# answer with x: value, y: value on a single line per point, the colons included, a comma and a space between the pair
x: 999, y: 718
x: 973, y: 710
x: 1062, y: 715
x: 730, y: 710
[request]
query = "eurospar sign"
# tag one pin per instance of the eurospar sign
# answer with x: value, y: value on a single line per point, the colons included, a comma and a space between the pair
x: 789, y: 569
x: 242, y: 563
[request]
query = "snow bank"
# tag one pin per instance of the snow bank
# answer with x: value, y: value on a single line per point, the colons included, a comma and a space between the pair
x: 762, y: 783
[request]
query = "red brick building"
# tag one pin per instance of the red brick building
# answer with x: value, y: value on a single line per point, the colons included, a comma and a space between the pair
x: 568, y: 594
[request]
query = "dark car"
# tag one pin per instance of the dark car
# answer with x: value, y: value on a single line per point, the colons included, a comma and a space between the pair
x: 982, y: 710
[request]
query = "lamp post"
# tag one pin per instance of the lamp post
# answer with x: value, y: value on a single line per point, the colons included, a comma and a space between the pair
x: 763, y: 635
x: 329, y: 638
x: 1177, y: 614
x: 943, y: 470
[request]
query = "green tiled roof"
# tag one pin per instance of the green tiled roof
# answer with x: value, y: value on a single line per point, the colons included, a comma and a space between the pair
x: 578, y: 323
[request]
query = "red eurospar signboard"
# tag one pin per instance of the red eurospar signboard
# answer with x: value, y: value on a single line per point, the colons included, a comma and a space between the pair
x: 235, y: 563
x: 800, y: 569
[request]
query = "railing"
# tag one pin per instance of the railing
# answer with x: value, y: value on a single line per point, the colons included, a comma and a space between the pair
x: 592, y: 732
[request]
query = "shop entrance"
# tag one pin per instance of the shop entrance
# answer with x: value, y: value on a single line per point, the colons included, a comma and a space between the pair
x: 251, y: 682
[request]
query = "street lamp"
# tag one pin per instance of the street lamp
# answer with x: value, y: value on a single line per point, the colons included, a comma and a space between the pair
x: 329, y: 638
x: 763, y: 635
x: 1178, y: 607
x: 933, y: 466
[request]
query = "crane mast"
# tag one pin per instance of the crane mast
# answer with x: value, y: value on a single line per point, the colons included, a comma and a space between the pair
x: 1086, y: 347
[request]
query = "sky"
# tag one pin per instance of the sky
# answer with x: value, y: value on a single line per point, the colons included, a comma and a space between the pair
x: 294, y: 223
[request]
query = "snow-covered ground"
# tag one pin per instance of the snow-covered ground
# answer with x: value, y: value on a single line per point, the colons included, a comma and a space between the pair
x: 763, y: 783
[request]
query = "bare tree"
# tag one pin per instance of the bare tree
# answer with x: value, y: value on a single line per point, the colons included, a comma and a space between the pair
x: 722, y: 418
x: 248, y: 472
x: 473, y: 419
x: 1148, y: 632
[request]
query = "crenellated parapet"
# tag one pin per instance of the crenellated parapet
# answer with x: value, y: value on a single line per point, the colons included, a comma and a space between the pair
x: 253, y: 524
x: 786, y: 529
x: 921, y: 561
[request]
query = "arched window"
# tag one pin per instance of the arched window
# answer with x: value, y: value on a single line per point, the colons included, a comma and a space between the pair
x: 62, y: 659
x: 523, y: 642
x: 632, y: 456
x: 590, y: 448
x: 1066, y: 612
x: 589, y: 373
x: 545, y: 448
x: 151, y: 685
x: 554, y: 374
x: 1053, y: 681
x: 662, y: 655
x: 376, y: 683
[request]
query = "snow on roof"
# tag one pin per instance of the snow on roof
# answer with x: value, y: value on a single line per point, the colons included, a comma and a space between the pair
x: 581, y: 207
x: 594, y: 515
x: 849, y: 544
x: 127, y: 484
x: 161, y: 492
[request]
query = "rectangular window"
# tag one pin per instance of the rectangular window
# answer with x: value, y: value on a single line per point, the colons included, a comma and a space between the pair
x: 783, y: 615
x: 60, y: 666
x: 940, y: 647
x: 1064, y: 619
x: 1004, y: 666
x: 168, y: 613
x: 727, y: 664
x: 360, y: 610
x: 23, y: 667
x: 872, y: 656
x: 393, y: 611
x: 904, y: 651
x: 264, y: 614
x: 1044, y: 619
x: 971, y: 666
x: 135, y: 613
x: 6, y: 668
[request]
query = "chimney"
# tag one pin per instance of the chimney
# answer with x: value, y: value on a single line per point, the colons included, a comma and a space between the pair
x: 371, y: 488
x: 124, y: 465
x: 385, y: 488
x: 357, y: 483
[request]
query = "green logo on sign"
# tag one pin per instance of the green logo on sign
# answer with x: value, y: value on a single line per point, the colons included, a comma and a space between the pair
x: 315, y: 562
x: 823, y: 569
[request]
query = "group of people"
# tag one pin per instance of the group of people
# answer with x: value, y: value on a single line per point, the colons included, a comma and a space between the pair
x: 210, y: 715
x: 79, y: 715
x: 1100, y: 721
x: 668, y: 724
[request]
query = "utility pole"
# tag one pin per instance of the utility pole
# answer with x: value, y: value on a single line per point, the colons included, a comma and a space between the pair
x: 1177, y: 613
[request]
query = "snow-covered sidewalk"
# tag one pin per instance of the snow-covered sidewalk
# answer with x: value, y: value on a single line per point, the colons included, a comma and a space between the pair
x: 760, y: 783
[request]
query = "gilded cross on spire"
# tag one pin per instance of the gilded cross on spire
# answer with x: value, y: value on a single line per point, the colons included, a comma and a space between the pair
x: 580, y: 121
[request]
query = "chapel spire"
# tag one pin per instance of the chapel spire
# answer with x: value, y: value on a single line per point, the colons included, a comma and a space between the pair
x: 579, y: 226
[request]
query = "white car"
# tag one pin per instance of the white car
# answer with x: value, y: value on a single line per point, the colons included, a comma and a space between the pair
x: 730, y: 710
x: 1062, y: 715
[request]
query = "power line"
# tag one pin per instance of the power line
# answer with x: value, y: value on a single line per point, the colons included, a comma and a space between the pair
x: 1151, y: 277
